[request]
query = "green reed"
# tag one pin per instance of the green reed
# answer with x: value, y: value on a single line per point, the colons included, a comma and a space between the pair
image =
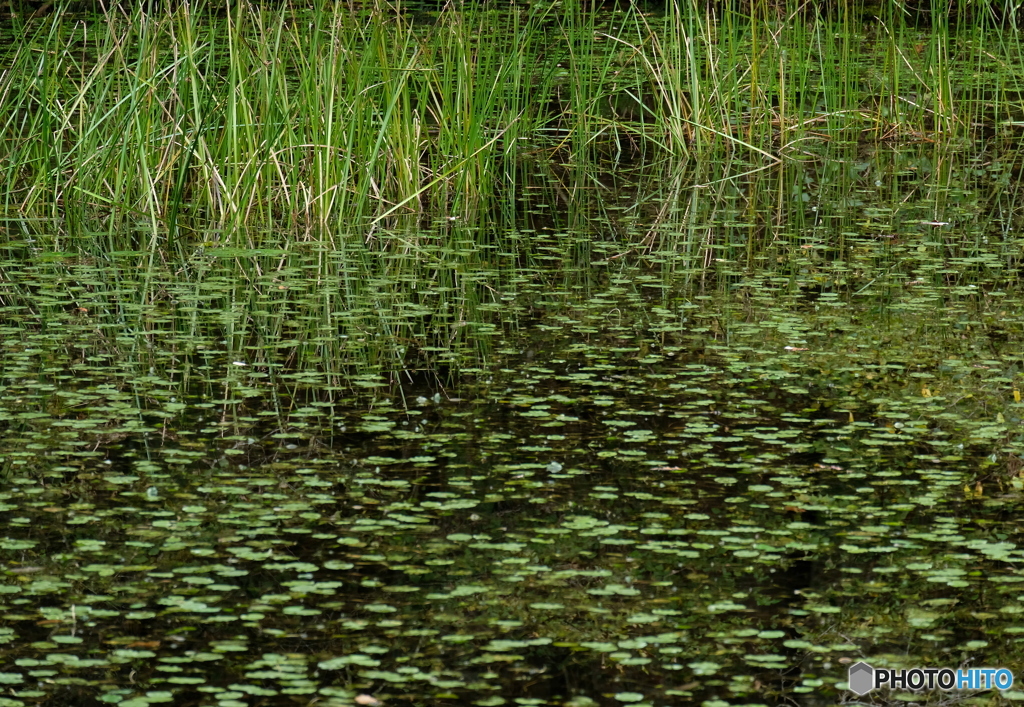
x: 172, y: 131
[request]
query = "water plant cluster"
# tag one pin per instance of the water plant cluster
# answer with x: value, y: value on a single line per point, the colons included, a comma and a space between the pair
x: 181, y: 126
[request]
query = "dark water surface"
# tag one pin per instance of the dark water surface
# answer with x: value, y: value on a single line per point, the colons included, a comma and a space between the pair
x: 552, y: 468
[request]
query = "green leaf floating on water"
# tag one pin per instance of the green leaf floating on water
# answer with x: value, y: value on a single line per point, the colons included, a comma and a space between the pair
x: 381, y: 608
x: 704, y: 667
x: 343, y: 661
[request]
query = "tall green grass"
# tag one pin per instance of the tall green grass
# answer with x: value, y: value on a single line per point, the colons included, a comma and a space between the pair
x: 171, y: 131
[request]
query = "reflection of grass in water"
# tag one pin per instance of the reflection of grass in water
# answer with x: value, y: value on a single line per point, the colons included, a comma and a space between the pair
x: 859, y: 229
x: 178, y: 121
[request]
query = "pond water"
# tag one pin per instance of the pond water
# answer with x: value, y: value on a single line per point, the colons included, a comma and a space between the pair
x: 652, y: 432
x: 626, y: 480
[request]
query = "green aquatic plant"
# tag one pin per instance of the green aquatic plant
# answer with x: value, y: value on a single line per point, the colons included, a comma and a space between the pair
x: 168, y: 125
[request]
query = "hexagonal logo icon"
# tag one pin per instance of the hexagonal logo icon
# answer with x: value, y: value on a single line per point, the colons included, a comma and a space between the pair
x: 861, y: 678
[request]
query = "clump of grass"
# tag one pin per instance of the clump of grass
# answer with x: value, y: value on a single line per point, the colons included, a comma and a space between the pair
x: 180, y: 128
